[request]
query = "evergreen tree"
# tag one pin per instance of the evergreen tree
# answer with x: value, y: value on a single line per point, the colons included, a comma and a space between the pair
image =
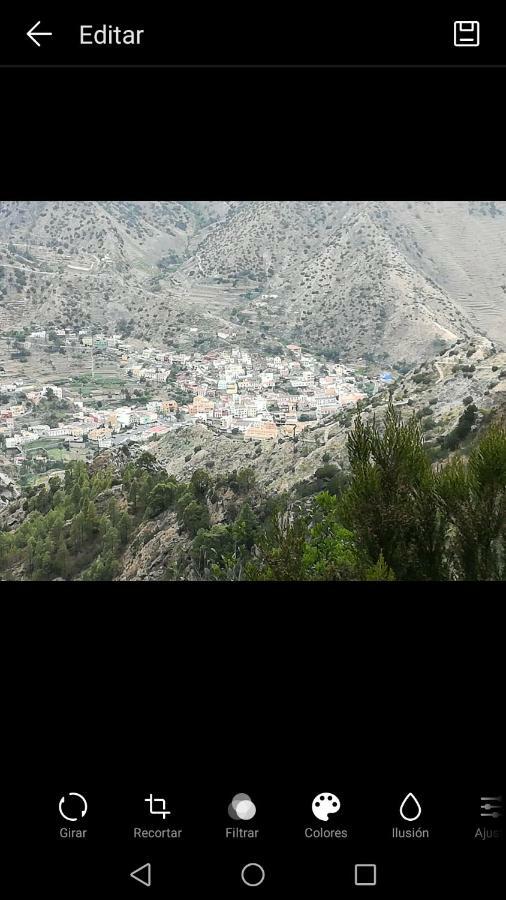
x: 245, y: 527
x: 195, y: 516
x: 392, y: 503
x: 200, y: 483
x: 160, y: 498
x: 123, y: 526
x: 475, y: 498
x: 62, y: 559
x: 281, y: 550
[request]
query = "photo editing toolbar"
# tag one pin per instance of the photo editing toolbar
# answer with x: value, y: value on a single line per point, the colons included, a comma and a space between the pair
x: 400, y: 842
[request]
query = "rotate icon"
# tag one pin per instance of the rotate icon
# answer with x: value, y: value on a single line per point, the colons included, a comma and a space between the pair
x: 63, y: 801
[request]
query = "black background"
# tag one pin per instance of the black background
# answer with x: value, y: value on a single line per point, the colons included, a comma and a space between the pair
x: 199, y: 692
x: 276, y: 699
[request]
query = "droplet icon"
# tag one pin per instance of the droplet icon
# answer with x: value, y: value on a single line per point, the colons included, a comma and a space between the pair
x: 410, y: 808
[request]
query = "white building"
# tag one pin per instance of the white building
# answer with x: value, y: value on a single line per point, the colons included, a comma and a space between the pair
x: 57, y: 391
x: 61, y: 431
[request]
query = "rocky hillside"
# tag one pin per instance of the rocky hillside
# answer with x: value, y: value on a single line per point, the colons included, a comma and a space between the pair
x: 126, y: 517
x: 349, y: 273
x: 437, y: 391
x: 128, y: 231
x: 398, y: 279
x: 9, y: 484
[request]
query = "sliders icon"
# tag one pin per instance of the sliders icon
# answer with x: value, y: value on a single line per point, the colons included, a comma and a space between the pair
x: 492, y: 806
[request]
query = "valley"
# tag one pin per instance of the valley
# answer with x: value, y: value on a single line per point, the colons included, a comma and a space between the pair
x: 214, y: 339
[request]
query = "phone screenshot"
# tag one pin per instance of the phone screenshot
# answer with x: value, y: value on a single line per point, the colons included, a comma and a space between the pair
x: 253, y: 447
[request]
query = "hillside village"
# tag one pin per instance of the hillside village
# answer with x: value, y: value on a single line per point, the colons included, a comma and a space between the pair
x: 230, y: 390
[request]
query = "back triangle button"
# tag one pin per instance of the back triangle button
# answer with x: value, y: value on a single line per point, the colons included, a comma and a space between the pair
x: 142, y: 874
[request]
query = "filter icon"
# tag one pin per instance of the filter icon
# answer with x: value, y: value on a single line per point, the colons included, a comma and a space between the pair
x: 242, y: 807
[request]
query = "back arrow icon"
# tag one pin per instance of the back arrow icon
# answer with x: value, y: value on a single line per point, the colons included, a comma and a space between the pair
x: 33, y: 35
x: 146, y: 874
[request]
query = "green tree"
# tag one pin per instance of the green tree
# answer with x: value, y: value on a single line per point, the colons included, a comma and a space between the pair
x: 211, y: 546
x: 5, y: 549
x: 62, y: 559
x: 380, y: 571
x: 76, y: 496
x: 54, y: 484
x: 281, y: 550
x: 111, y: 541
x: 161, y: 497
x: 200, y: 483
x: 245, y: 480
x: 331, y: 552
x: 146, y: 461
x: 475, y: 498
x: 392, y: 504
x: 195, y: 516
x: 124, y: 527
x: 78, y: 531
x: 133, y: 495
x: 103, y: 568
x: 245, y: 527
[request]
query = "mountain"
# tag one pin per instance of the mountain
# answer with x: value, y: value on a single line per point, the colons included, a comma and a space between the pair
x: 395, y: 281
x: 351, y: 275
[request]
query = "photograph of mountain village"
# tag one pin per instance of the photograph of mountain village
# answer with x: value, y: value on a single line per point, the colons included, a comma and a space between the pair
x: 253, y: 391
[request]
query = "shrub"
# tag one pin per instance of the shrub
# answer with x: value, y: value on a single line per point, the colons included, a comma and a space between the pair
x: 162, y: 497
x: 195, y: 516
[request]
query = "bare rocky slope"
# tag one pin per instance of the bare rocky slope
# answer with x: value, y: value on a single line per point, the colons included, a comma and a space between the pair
x: 404, y: 279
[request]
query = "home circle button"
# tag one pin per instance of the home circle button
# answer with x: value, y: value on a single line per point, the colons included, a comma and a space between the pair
x: 253, y: 874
